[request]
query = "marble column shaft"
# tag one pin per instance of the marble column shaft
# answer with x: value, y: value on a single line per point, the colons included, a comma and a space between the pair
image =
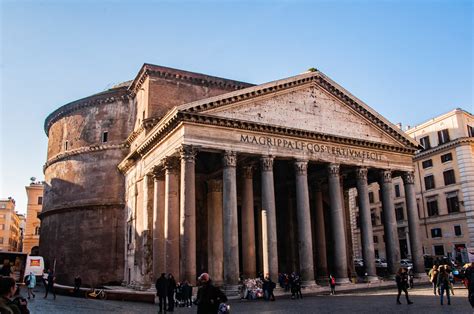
x: 366, y: 231
x: 215, y: 231
x: 248, y: 225
x: 321, y: 258
x: 171, y: 224
x: 188, y: 214
x: 337, y: 224
x: 268, y: 206
x: 392, y: 245
x: 305, y: 243
x: 159, y: 265
x: 231, y: 231
x: 413, y: 223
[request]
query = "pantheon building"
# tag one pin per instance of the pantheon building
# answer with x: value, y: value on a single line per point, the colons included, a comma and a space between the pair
x: 183, y: 173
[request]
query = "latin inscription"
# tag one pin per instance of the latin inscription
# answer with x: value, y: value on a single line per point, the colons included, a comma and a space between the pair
x: 313, y: 148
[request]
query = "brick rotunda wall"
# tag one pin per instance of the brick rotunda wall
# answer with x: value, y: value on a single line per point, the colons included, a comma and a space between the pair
x: 82, y: 221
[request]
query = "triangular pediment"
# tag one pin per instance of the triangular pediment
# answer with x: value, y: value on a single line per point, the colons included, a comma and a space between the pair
x: 310, y: 102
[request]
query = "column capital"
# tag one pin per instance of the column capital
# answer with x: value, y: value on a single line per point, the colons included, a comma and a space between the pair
x: 187, y: 153
x: 230, y: 158
x: 385, y: 176
x: 408, y: 177
x: 267, y: 163
x: 248, y: 172
x: 301, y: 167
x: 361, y: 173
x: 333, y: 170
x: 158, y: 172
x: 214, y: 185
x: 170, y: 165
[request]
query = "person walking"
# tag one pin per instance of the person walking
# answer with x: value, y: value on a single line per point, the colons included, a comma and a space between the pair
x: 332, y: 284
x: 30, y: 282
x: 187, y: 291
x: 50, y: 285
x: 443, y: 285
x: 161, y: 286
x: 402, y: 284
x: 297, y: 284
x: 170, y: 293
x: 77, y: 284
x: 434, y: 277
x: 268, y: 287
x: 209, y: 298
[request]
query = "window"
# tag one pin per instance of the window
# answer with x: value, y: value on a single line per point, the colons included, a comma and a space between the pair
x: 427, y: 163
x: 453, y: 203
x: 129, y: 233
x: 372, y: 218
x: 357, y: 200
x: 429, y: 182
x: 376, y: 239
x: 470, y: 131
x: 376, y: 253
x: 1, y: 240
x: 105, y: 137
x: 446, y: 157
x: 358, y: 221
x: 397, y: 190
x: 449, y: 177
x: 40, y: 200
x: 436, y: 233
x: 438, y: 250
x: 399, y: 213
x: 37, y: 230
x: 3, y: 206
x: 457, y: 230
x: 443, y: 136
x: 371, y: 197
x: 425, y: 142
x: 432, y: 207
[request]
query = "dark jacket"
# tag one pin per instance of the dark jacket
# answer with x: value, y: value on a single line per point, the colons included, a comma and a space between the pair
x: 402, y: 280
x: 187, y: 290
x: 161, y: 286
x: 171, y: 286
x: 208, y: 299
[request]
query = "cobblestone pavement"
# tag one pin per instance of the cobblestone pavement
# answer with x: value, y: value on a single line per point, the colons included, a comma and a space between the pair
x: 382, y: 301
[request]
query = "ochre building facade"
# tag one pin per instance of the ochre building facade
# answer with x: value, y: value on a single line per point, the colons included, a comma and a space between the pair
x: 209, y: 174
x: 34, y: 193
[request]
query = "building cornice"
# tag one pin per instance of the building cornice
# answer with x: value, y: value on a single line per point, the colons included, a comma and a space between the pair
x: 150, y: 70
x: 444, y: 147
x: 437, y: 119
x: 106, y: 97
x: 170, y: 122
x: 83, y: 150
x: 74, y: 208
x: 317, y: 78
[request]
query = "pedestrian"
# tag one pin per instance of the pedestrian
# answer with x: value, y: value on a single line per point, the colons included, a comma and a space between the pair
x: 449, y: 271
x: 411, y: 275
x: 402, y: 284
x: 297, y: 284
x: 332, y: 284
x: 443, y: 285
x: 77, y: 284
x: 161, y: 286
x: 187, y: 291
x: 8, y: 305
x: 50, y: 284
x: 30, y: 282
x: 209, y: 298
x: 170, y: 294
x: 44, y: 278
x: 434, y: 277
x: 268, y: 287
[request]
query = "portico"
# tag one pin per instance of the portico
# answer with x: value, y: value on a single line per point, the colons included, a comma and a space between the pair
x: 253, y: 181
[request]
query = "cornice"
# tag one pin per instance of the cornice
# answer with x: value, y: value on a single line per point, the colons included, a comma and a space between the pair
x: 106, y: 97
x: 150, y: 70
x: 304, y: 79
x: 178, y: 117
x: 449, y: 145
x: 88, y: 206
x: 82, y: 150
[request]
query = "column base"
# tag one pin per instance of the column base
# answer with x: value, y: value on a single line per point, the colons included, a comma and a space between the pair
x: 373, y: 279
x: 232, y: 291
x: 421, y: 276
x: 309, y: 284
x: 343, y: 281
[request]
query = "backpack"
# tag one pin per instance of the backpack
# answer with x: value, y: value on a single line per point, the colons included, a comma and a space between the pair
x: 27, y: 280
x: 333, y: 281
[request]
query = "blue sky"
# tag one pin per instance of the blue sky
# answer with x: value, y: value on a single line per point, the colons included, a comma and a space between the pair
x: 409, y: 60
